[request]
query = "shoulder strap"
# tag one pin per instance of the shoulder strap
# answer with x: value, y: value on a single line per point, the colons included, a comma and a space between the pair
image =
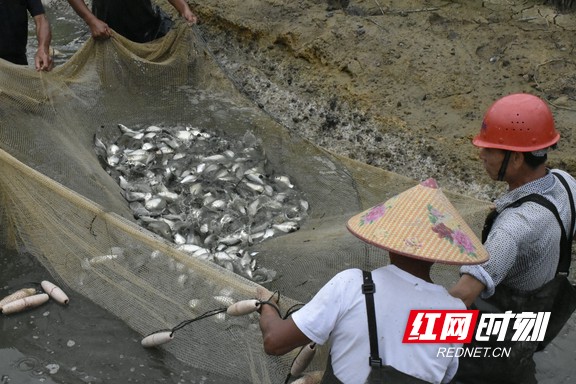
x: 379, y: 373
x: 368, y: 289
x: 565, y: 245
x: 572, y: 208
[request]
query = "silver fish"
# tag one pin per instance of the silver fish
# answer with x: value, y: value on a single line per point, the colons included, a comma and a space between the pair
x: 254, y: 177
x: 184, y: 135
x: 230, y: 240
x: 289, y: 226
x: 130, y: 133
x: 160, y: 228
x: 102, y: 259
x: 136, y: 196
x: 153, y: 128
x: 214, y: 158
x: 211, y: 196
x: 284, y: 181
x: 155, y: 203
x: 189, y: 248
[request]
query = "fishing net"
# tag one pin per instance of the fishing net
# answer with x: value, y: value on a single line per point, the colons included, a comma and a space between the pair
x: 63, y: 199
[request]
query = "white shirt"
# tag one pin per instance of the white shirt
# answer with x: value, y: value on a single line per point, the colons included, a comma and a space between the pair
x: 338, y: 312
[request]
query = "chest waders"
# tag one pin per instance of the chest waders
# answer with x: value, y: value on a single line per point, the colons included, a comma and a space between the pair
x: 379, y: 373
x: 557, y: 296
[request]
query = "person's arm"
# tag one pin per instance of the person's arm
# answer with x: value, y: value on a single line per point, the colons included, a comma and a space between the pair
x: 184, y: 10
x: 279, y: 336
x: 467, y: 289
x: 98, y: 28
x: 42, y: 59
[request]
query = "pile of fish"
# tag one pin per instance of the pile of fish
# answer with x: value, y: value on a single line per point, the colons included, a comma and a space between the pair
x: 213, y: 197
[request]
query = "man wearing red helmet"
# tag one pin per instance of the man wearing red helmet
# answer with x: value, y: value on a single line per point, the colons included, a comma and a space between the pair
x: 531, y: 227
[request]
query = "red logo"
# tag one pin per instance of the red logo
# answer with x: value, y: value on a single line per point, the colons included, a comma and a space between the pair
x: 440, y: 326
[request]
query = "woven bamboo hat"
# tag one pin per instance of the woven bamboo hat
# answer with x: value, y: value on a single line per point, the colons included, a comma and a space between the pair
x: 420, y: 223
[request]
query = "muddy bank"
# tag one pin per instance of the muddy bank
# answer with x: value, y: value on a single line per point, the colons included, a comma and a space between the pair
x: 399, y: 85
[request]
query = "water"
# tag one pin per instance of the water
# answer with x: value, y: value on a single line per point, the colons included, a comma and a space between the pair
x: 78, y: 343
x: 69, y: 32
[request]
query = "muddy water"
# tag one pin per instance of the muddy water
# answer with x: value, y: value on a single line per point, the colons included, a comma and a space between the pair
x: 78, y: 343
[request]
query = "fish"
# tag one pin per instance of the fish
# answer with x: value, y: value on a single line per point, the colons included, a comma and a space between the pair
x: 284, y: 181
x: 130, y: 133
x: 211, y: 196
x: 288, y: 226
x: 160, y: 228
x: 153, y: 129
x: 189, y: 248
x: 254, y: 176
x: 102, y: 259
x: 224, y: 300
x: 155, y: 203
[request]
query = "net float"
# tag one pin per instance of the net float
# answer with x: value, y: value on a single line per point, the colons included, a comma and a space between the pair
x: 243, y: 307
x: 19, y: 294
x: 310, y: 378
x: 303, y: 359
x: 25, y: 303
x: 157, y: 338
x: 54, y: 292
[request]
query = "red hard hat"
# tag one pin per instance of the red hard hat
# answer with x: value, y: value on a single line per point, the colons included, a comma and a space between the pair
x: 518, y: 122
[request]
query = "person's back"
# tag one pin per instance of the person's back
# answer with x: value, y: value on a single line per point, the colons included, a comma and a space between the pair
x: 137, y: 20
x: 418, y: 228
x: 14, y: 31
x: 525, y: 236
x: 342, y: 304
x: 528, y: 234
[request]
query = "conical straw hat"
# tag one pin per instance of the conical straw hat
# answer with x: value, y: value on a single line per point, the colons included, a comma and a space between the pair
x: 420, y: 223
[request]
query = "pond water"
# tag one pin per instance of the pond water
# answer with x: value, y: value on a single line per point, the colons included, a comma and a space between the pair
x: 77, y: 343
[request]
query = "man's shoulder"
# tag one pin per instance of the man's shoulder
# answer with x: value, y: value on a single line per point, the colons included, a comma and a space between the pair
x: 349, y: 274
x: 566, y: 176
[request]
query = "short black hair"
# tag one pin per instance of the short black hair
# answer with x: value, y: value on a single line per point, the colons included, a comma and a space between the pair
x: 534, y: 161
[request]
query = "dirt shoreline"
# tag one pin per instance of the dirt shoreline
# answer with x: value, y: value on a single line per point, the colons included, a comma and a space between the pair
x: 401, y: 86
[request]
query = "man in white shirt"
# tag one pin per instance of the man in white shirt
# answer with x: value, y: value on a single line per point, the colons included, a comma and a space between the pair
x: 418, y: 227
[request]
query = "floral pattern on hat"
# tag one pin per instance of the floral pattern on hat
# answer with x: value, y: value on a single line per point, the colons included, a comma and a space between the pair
x: 377, y: 212
x: 444, y: 230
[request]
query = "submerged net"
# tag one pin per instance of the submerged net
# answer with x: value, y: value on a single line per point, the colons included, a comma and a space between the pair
x: 61, y: 200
